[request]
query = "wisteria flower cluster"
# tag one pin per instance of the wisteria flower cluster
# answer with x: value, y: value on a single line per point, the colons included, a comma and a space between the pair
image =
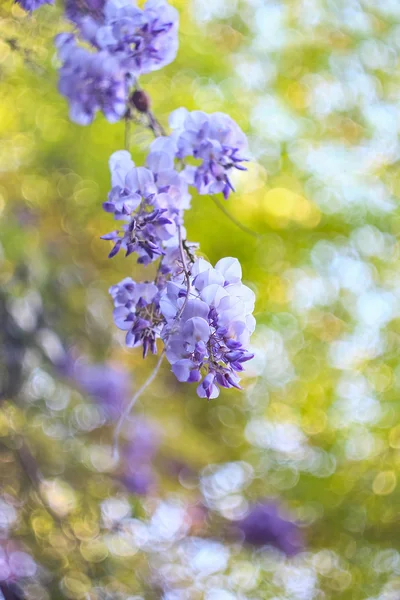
x: 216, y: 141
x: 125, y: 42
x: 208, y: 326
x: 201, y: 314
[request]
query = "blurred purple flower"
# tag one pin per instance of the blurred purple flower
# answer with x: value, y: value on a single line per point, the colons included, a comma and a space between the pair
x: 107, y: 386
x: 137, y: 456
x: 31, y: 5
x: 15, y: 564
x: 265, y: 524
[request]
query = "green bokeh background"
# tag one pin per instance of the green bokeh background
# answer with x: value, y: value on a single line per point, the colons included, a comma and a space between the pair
x: 53, y: 178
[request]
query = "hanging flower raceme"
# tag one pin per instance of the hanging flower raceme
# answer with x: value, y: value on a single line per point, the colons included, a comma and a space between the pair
x: 203, y: 315
x: 144, y: 40
x: 208, y: 326
x: 91, y: 82
x: 135, y: 199
x: 126, y: 42
x: 216, y: 141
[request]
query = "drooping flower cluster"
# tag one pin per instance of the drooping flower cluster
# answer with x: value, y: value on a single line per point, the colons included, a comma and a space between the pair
x: 91, y: 82
x: 208, y: 326
x: 31, y: 5
x: 126, y: 42
x: 203, y: 315
x: 147, y: 211
x: 216, y: 141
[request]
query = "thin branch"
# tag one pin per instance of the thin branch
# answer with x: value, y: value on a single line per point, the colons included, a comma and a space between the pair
x: 155, y: 126
x: 150, y: 380
x: 234, y: 220
x: 127, y: 137
x: 31, y: 469
x: 131, y: 404
x: 29, y: 464
x: 14, y: 45
x: 186, y: 271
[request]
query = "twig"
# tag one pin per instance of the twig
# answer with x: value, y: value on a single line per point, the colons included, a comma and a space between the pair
x: 131, y: 404
x: 14, y: 45
x: 31, y: 468
x: 234, y: 220
x: 155, y: 126
x: 29, y: 464
x: 127, y: 136
x: 186, y: 271
x: 150, y: 380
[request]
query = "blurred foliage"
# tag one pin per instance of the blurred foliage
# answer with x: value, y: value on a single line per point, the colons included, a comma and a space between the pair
x: 315, y: 84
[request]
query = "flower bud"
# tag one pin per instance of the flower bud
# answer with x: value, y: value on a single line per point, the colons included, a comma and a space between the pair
x: 141, y: 101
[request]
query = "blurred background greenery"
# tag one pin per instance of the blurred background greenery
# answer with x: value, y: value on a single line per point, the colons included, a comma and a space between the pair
x: 315, y: 85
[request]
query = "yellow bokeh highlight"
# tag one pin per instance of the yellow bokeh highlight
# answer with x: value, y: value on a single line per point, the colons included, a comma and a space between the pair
x: 94, y: 551
x: 283, y: 207
x: 384, y: 483
x: 59, y: 495
x: 4, y: 427
x: 380, y: 377
x: 394, y: 437
x: 276, y: 289
x: 296, y: 94
x: 314, y: 423
x: 76, y: 585
x: 42, y: 524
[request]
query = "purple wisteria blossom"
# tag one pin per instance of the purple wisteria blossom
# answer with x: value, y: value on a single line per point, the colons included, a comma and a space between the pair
x: 136, y: 200
x: 216, y: 141
x: 91, y: 82
x: 160, y: 161
x: 138, y: 313
x: 31, y: 5
x: 265, y: 524
x: 107, y: 386
x: 87, y: 15
x: 75, y: 10
x: 126, y: 41
x: 144, y: 40
x: 207, y: 331
x: 203, y: 315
